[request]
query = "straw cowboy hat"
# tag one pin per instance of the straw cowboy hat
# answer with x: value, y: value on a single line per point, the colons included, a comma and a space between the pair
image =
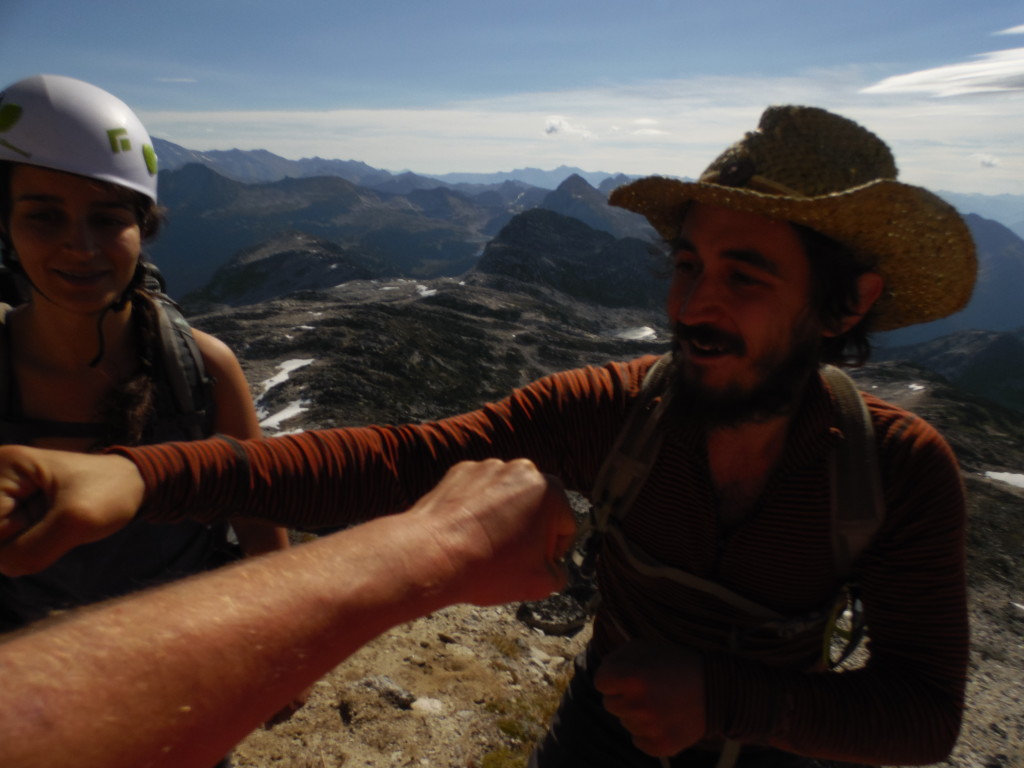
x: 812, y: 167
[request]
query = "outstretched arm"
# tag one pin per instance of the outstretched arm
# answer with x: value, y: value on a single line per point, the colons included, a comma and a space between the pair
x: 178, y: 675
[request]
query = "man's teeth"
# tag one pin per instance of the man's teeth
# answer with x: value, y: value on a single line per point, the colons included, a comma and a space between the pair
x: 709, y: 348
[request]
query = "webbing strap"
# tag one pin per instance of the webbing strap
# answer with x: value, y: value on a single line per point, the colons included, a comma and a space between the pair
x: 625, y: 470
x: 858, y: 504
x: 647, y: 565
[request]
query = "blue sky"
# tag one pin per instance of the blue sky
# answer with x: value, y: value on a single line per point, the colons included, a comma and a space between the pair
x: 634, y: 86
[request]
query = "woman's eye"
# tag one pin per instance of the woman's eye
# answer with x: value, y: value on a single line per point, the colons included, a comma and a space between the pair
x: 44, y: 216
x: 113, y: 221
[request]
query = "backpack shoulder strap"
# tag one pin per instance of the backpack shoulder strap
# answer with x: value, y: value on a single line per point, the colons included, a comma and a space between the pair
x: 627, y: 465
x: 858, y: 503
x: 182, y: 362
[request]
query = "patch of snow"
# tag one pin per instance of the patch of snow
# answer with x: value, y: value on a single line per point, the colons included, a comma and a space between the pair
x: 293, y: 409
x: 643, y: 333
x: 284, y: 369
x: 1007, y: 477
x: 424, y: 291
x: 915, y: 387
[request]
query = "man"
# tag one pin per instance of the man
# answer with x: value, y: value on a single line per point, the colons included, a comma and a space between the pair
x: 716, y: 578
x: 177, y: 675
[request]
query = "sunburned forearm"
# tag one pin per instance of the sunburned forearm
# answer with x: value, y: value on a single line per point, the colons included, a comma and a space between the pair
x: 244, y: 641
x: 177, y: 676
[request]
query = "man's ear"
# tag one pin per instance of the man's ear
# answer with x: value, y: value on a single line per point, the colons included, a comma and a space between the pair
x: 869, y: 288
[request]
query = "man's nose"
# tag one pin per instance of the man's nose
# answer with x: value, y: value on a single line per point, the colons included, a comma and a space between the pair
x: 701, y: 302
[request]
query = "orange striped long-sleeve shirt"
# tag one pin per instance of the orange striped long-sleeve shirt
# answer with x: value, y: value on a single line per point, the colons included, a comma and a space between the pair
x: 903, y: 707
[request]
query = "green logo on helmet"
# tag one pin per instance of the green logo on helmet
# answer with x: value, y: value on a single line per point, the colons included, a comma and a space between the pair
x: 149, y: 155
x: 119, y: 141
x: 9, y: 115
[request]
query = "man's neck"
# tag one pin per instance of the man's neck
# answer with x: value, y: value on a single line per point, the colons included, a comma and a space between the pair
x: 741, y: 459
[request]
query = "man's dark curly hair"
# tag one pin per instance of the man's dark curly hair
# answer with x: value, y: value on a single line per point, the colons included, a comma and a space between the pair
x: 835, y: 295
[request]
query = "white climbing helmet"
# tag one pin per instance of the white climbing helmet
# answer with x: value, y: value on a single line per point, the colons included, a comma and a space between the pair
x: 69, y: 125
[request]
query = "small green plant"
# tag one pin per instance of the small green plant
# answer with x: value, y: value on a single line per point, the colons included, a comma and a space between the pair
x: 514, y: 728
x: 523, y: 720
x: 504, y: 758
x: 505, y: 645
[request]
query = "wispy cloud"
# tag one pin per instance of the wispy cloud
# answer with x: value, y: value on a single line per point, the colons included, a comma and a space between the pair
x: 176, y: 80
x: 987, y: 73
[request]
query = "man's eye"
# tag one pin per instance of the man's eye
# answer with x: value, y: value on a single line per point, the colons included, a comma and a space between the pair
x: 745, y: 279
x: 687, y: 266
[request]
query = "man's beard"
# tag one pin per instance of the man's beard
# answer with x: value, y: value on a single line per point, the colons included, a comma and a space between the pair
x: 780, y: 378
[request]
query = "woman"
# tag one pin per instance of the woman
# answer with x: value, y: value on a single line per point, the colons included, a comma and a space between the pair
x: 81, y: 360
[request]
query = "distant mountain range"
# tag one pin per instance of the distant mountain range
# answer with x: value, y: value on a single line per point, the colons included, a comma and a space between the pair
x: 256, y: 165
x: 398, y: 228
x: 250, y: 166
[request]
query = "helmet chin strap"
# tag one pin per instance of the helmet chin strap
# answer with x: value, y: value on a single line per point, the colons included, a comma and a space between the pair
x: 102, y: 340
x: 116, y: 306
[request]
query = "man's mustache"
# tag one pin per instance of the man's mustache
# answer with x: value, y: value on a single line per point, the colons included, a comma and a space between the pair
x: 706, y: 335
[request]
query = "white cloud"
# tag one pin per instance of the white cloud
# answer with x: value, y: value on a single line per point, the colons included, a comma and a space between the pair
x: 559, y: 125
x: 989, y: 72
x: 1012, y: 31
x: 986, y: 161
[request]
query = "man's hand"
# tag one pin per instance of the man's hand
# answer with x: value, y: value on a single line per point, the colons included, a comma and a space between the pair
x: 54, y: 501
x: 657, y: 692
x: 501, y: 532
